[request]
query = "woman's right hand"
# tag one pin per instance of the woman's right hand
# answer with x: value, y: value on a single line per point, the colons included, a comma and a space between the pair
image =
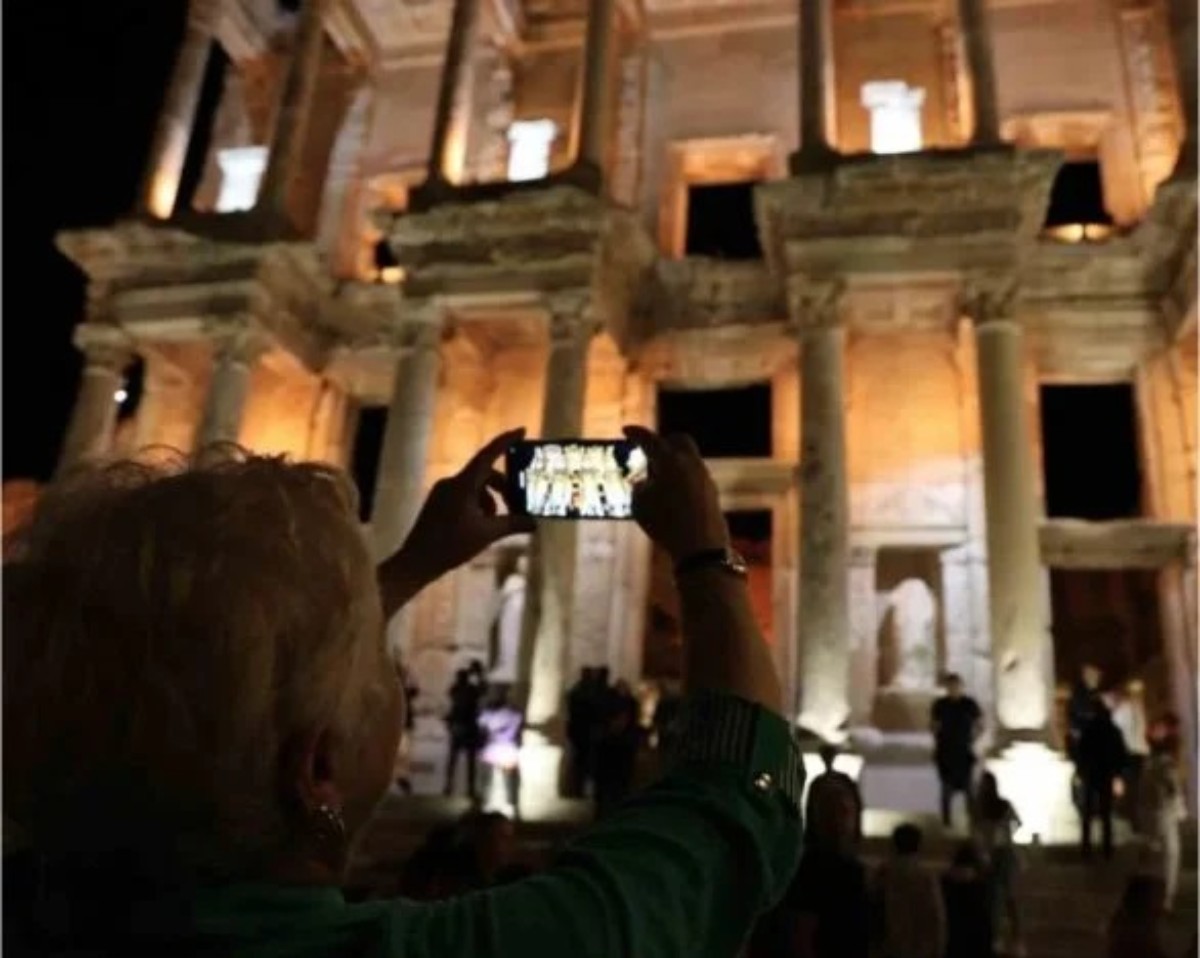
x: 677, y: 506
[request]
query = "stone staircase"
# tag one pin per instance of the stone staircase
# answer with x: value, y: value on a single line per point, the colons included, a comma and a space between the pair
x: 1066, y: 903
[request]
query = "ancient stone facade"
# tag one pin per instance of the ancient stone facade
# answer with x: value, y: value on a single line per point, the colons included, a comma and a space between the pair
x: 905, y: 308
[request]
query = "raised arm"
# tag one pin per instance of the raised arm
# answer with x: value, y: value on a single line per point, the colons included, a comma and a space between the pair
x: 686, y: 866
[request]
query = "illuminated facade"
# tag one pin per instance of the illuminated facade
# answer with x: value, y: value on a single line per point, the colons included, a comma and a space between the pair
x: 529, y: 166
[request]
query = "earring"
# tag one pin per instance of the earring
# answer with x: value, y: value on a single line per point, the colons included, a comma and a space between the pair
x: 328, y: 826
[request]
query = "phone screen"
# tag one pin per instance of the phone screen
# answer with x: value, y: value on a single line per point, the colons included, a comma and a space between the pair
x: 574, y: 478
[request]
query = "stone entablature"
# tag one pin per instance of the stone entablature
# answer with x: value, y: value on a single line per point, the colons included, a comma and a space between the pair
x: 1118, y: 544
x: 703, y: 293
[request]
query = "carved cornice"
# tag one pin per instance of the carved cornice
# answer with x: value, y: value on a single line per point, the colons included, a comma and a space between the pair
x: 237, y: 342
x: 1139, y: 543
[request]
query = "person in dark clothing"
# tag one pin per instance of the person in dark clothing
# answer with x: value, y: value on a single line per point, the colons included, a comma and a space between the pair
x: 1081, y: 708
x: 830, y: 780
x: 956, y: 720
x: 617, y: 749
x: 463, y: 725
x: 968, y: 906
x: 1102, y: 759
x: 582, y: 705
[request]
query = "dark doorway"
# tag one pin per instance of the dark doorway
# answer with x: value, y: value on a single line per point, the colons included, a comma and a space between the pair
x: 726, y: 423
x: 1090, y: 452
x: 364, y: 464
x: 1077, y: 196
x: 720, y: 222
x: 750, y: 534
x: 1105, y: 617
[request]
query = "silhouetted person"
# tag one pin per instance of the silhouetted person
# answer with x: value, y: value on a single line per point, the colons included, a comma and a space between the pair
x: 583, y: 703
x: 617, y: 748
x: 1161, y: 812
x: 831, y: 780
x: 1102, y: 759
x: 1082, y: 706
x: 502, y: 725
x: 956, y: 722
x: 463, y: 725
x: 910, y: 901
x: 1133, y: 931
x: 994, y: 822
x: 968, y: 906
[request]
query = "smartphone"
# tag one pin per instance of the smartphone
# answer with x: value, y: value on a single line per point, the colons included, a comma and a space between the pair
x: 574, y: 478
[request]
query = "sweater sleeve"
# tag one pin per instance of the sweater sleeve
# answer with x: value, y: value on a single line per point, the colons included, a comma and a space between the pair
x: 683, y: 868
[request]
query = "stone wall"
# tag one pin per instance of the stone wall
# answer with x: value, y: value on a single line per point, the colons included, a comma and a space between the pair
x: 280, y: 411
x: 1166, y: 394
x: 402, y: 126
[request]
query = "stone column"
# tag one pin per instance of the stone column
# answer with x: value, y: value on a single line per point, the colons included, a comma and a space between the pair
x: 107, y: 351
x: 1181, y: 17
x: 456, y: 70
x: 824, y: 628
x: 593, y: 120
x: 975, y: 23
x: 400, y: 482
x: 1017, y: 612
x: 813, y: 26
x: 235, y: 351
x: 295, y: 105
x: 169, y: 148
x: 545, y: 653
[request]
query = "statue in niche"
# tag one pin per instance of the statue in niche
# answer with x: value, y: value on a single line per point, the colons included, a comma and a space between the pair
x: 506, y: 624
x: 912, y: 611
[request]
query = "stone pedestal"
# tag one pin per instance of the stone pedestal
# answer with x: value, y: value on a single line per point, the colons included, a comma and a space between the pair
x: 400, y: 481
x: 174, y: 131
x: 291, y: 128
x: 824, y: 658
x: 548, y: 609
x: 1018, y: 615
x: 234, y: 353
x: 107, y: 351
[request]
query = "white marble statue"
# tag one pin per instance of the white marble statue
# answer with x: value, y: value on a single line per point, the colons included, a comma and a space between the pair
x: 914, y: 623
x: 510, y: 609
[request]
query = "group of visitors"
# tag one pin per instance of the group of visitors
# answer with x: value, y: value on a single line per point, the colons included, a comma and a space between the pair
x: 604, y: 736
x: 483, y: 725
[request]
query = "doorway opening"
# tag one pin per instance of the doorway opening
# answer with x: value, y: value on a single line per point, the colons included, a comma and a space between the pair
x: 1090, y: 452
x: 726, y: 423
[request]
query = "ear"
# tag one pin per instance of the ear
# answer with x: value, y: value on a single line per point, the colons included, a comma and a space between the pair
x: 310, y: 770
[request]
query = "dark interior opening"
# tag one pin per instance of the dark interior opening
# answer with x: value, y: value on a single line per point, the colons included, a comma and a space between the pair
x: 720, y: 222
x: 1077, y: 196
x: 750, y: 535
x: 368, y: 447
x: 131, y: 391
x: 1090, y: 454
x: 211, y: 90
x: 726, y: 423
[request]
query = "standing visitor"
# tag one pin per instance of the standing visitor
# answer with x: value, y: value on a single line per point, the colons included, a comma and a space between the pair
x: 462, y: 722
x: 1161, y: 814
x: 1102, y: 759
x: 581, y: 708
x: 968, y: 904
x: 910, y: 901
x: 1082, y: 706
x: 995, y: 823
x: 831, y: 780
x: 957, y: 721
x: 617, y: 745
x: 501, y: 725
x: 1129, y: 715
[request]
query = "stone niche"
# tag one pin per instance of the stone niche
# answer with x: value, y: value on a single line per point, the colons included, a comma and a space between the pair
x: 910, y: 647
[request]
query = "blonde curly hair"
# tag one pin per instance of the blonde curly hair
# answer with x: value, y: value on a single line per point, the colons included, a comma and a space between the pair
x: 168, y: 630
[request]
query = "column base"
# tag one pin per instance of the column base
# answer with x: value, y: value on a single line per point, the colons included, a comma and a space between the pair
x: 1037, y: 780
x: 541, y: 767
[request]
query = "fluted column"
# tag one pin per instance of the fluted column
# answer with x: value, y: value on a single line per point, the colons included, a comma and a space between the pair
x: 824, y: 628
x: 594, y: 115
x: 1017, y: 613
x: 400, y: 481
x: 813, y: 23
x: 449, y: 132
x: 235, y: 351
x: 295, y: 105
x: 546, y: 631
x: 1181, y: 16
x: 975, y: 23
x: 168, y: 151
x: 107, y: 351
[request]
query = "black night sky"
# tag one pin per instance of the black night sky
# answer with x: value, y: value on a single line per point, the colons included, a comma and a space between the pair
x: 83, y: 81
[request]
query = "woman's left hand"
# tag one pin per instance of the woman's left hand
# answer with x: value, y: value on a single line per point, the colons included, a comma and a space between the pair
x: 457, y: 522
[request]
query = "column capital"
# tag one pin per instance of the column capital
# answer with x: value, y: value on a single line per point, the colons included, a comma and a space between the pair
x: 571, y: 316
x: 104, y: 347
x: 204, y: 16
x: 815, y: 303
x: 237, y: 344
x: 419, y: 324
x: 990, y: 296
